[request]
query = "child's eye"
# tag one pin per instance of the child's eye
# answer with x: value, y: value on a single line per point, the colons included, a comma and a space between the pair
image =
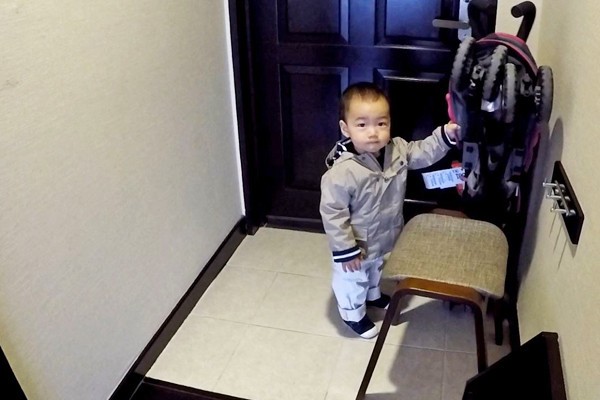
x: 361, y: 124
x: 383, y: 124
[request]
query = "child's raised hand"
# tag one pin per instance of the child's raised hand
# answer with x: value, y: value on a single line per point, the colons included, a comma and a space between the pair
x: 453, y: 131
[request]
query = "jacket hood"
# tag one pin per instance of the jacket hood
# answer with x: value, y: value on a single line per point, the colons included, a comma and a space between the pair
x: 343, y: 146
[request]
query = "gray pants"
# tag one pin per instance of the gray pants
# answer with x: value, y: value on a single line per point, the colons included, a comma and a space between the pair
x: 353, y: 289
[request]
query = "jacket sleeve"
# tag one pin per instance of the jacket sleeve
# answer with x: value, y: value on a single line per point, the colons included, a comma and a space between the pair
x: 423, y: 153
x: 335, y: 213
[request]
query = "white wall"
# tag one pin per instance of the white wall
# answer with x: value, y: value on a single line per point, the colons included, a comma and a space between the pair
x: 560, y: 286
x: 118, y: 179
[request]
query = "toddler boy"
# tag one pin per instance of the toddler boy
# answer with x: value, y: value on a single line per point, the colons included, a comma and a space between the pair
x: 362, y: 195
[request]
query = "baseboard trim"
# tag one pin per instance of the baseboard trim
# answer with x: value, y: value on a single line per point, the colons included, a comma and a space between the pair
x: 134, y: 377
x: 10, y: 384
x: 154, y: 389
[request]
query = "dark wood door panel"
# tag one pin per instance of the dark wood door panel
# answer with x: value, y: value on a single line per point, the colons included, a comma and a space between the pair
x: 410, y: 22
x: 398, y: 22
x: 310, y: 97
x: 418, y: 106
x: 313, y: 21
x: 417, y: 101
x: 308, y: 130
x: 361, y: 62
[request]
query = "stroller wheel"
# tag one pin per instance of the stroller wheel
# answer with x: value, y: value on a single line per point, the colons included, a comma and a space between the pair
x: 509, y: 93
x: 461, y: 68
x: 544, y: 93
x: 492, y: 82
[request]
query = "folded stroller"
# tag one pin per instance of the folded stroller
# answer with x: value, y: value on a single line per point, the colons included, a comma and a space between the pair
x: 500, y: 98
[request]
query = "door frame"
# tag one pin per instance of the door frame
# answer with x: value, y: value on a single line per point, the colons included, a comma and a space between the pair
x: 241, y: 49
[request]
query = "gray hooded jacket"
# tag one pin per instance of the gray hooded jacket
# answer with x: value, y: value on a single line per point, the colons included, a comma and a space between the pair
x: 361, y: 203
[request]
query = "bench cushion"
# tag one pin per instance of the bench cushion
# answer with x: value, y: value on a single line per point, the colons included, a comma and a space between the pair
x: 459, y: 251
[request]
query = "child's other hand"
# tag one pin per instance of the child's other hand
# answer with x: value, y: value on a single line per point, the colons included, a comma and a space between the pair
x: 453, y: 131
x: 352, y: 265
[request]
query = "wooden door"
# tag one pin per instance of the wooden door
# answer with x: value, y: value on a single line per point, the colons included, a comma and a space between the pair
x: 303, y: 55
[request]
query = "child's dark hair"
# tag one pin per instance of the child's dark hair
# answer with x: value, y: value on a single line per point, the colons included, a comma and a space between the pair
x: 364, y: 90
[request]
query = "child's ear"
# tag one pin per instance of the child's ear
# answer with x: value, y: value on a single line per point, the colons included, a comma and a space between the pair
x: 344, y: 128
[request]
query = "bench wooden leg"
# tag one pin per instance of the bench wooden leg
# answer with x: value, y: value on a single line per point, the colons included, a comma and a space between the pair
x: 480, y: 339
x: 387, y: 321
x: 499, y: 315
x: 434, y: 290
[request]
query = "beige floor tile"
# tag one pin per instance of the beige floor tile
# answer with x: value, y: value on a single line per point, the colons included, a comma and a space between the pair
x: 303, y: 304
x: 495, y: 352
x: 350, y: 368
x: 460, y: 330
x: 281, y: 250
x: 272, y: 364
x: 401, y: 373
x: 235, y: 295
x: 458, y: 367
x: 421, y: 323
x: 198, y: 353
x: 460, y: 334
x: 272, y: 306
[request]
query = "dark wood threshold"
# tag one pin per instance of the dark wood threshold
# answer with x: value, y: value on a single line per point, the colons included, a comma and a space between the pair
x: 153, y: 389
x: 133, y: 380
x: 299, y: 224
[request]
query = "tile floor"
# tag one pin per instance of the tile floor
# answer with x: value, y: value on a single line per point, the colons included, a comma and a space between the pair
x: 268, y: 329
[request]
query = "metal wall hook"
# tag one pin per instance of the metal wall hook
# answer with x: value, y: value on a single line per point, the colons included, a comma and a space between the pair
x: 565, y: 203
x: 556, y: 192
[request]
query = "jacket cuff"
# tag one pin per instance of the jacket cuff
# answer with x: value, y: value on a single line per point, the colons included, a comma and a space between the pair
x: 449, y: 143
x: 346, y: 255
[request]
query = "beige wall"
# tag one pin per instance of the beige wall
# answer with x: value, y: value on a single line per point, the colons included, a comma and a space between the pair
x: 560, y: 290
x: 118, y: 179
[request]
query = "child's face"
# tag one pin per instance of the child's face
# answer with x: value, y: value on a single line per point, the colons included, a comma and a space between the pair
x: 367, y: 124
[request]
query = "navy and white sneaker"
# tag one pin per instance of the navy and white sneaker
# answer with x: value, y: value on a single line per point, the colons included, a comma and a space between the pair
x: 365, y: 328
x: 383, y: 302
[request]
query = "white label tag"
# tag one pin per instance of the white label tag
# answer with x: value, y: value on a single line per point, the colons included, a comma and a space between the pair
x: 491, y: 106
x: 443, y: 178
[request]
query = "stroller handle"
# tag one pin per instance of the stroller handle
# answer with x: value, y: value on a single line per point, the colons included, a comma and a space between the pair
x: 482, y: 17
x: 526, y: 10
